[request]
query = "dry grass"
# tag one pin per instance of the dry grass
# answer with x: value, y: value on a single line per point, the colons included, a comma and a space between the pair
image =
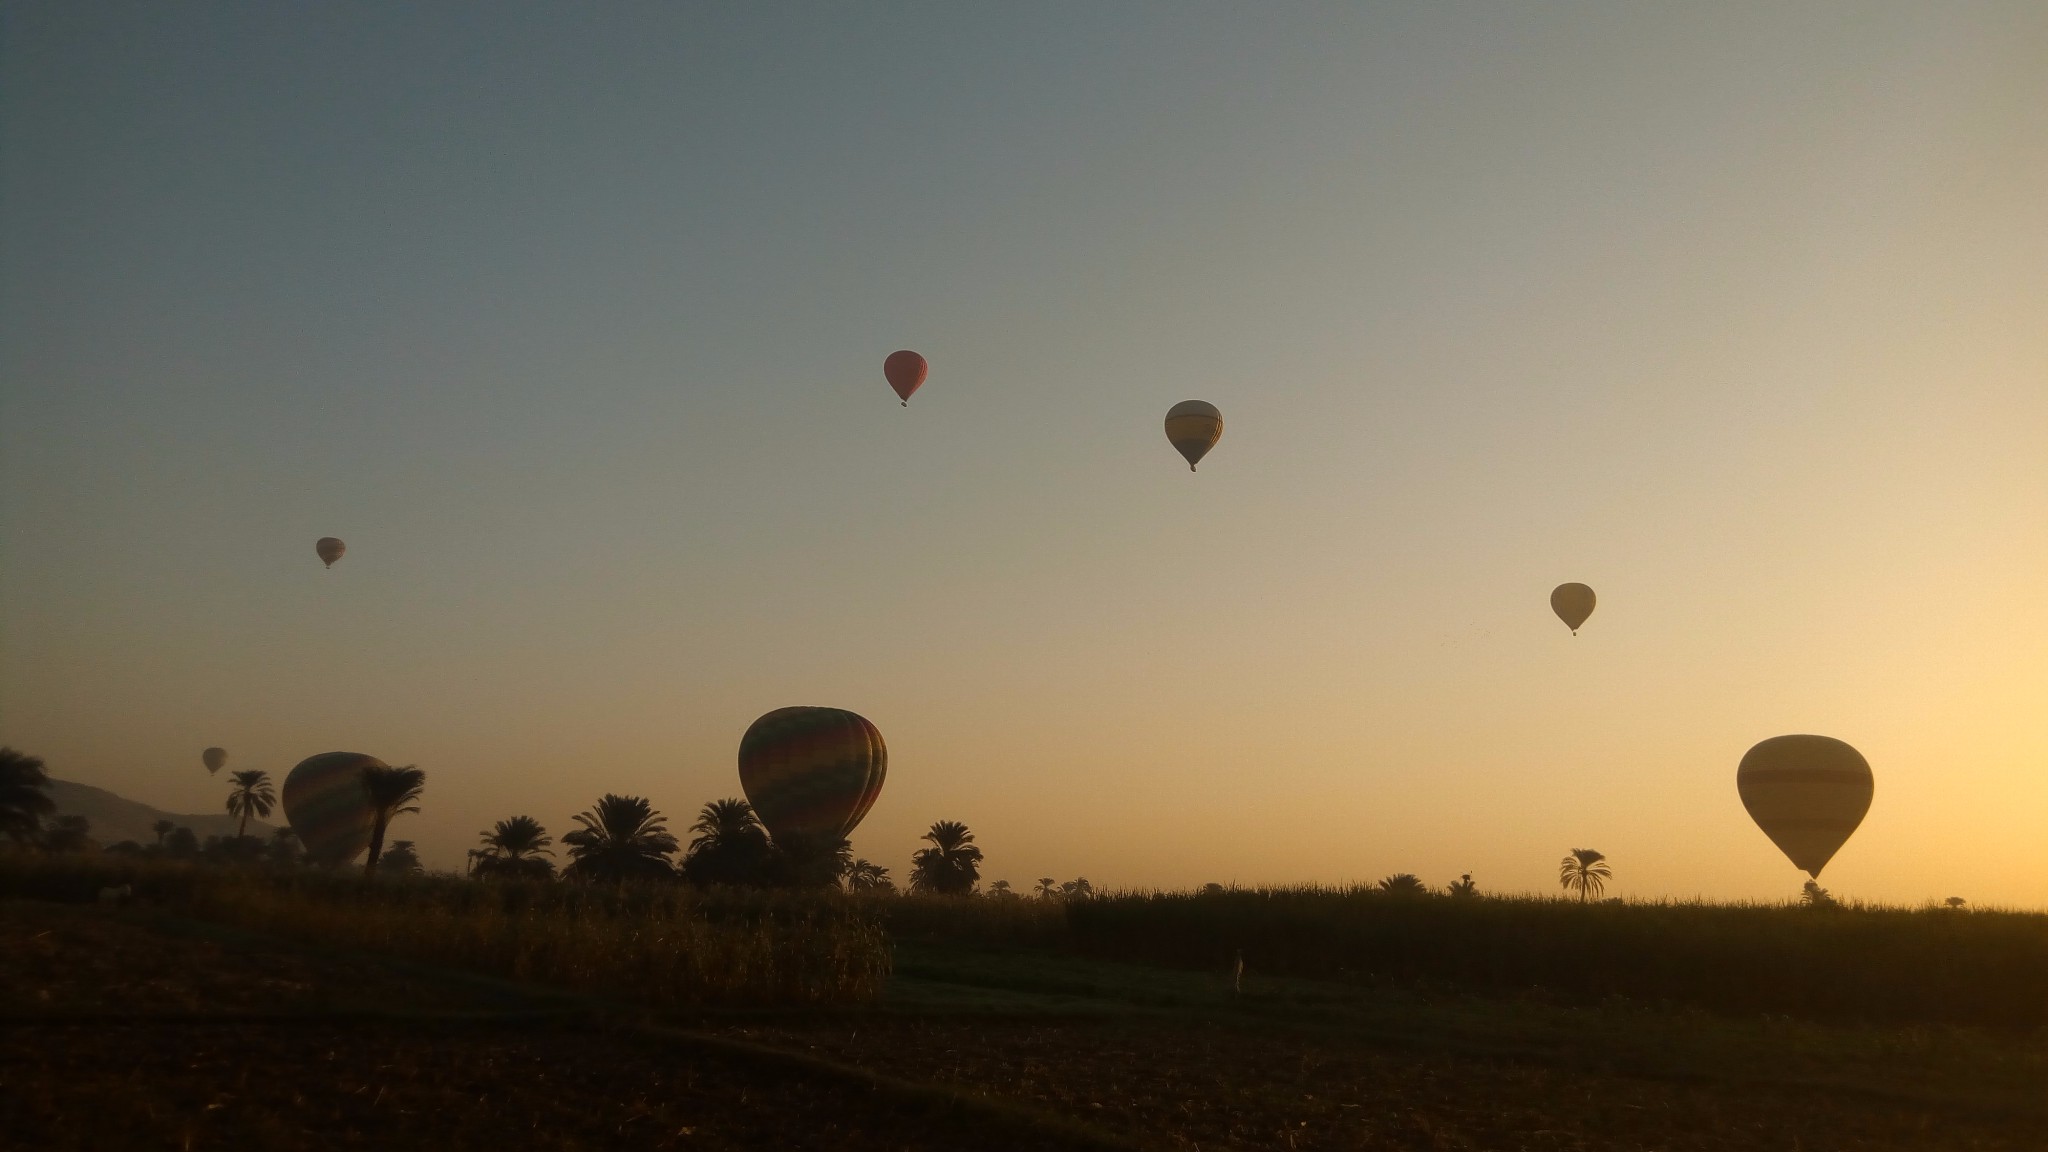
x: 665, y: 946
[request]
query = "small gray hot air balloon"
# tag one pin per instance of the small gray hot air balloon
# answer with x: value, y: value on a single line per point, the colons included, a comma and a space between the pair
x: 1193, y: 427
x: 329, y: 550
x: 1572, y: 603
x: 215, y: 759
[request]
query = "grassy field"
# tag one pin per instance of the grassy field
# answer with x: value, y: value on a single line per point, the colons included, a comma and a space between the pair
x: 210, y: 1017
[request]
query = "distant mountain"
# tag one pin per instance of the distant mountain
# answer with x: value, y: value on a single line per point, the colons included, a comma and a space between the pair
x: 116, y: 818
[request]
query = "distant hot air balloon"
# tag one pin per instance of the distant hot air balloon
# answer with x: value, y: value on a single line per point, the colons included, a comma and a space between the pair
x: 1194, y: 426
x: 215, y: 759
x: 811, y: 774
x: 327, y: 808
x: 1572, y: 603
x: 906, y: 371
x: 1807, y: 793
x: 329, y: 549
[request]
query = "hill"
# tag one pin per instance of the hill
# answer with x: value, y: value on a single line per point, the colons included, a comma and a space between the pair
x: 117, y: 818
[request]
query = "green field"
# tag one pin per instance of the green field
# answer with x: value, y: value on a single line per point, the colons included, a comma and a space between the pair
x: 187, y: 1020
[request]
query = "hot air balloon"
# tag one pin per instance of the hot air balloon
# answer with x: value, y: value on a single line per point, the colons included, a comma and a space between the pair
x: 329, y: 550
x: 811, y: 774
x: 905, y: 370
x: 1194, y: 426
x: 327, y: 808
x: 1807, y: 793
x: 1572, y: 603
x: 215, y: 759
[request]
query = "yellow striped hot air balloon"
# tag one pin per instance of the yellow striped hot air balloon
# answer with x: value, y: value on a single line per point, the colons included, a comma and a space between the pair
x: 328, y: 809
x: 1807, y: 793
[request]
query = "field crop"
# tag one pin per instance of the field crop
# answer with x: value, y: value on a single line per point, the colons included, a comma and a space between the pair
x: 666, y: 945
x: 1885, y: 965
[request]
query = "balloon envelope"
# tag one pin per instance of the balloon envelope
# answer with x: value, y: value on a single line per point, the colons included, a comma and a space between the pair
x: 1807, y: 793
x: 1193, y: 427
x: 326, y: 806
x: 812, y: 773
x: 905, y: 371
x: 215, y: 759
x: 1572, y: 603
x: 329, y: 550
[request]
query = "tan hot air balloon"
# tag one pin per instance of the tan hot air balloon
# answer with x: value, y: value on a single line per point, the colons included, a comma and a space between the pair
x: 1572, y: 603
x: 329, y: 550
x: 1194, y: 426
x: 1807, y: 793
x: 215, y: 759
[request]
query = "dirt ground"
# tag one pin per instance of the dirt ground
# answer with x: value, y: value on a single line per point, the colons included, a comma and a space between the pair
x: 119, y: 1030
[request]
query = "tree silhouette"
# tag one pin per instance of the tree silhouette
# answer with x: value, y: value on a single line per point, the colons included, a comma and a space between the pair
x: 402, y: 858
x: 1001, y: 890
x: 284, y: 845
x: 391, y: 793
x: 67, y: 834
x: 24, y: 795
x: 1955, y: 902
x: 1403, y: 884
x: 862, y: 876
x: 181, y: 844
x: 1815, y: 896
x: 1048, y: 888
x: 1077, y: 889
x: 162, y: 828
x: 1585, y: 872
x: 251, y: 797
x: 730, y: 846
x: 513, y: 849
x: 622, y: 838
x: 1463, y: 888
x: 951, y: 866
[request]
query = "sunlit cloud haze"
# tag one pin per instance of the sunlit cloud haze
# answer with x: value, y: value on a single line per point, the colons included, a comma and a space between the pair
x: 570, y: 321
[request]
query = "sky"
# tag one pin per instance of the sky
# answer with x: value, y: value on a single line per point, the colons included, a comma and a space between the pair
x: 570, y: 321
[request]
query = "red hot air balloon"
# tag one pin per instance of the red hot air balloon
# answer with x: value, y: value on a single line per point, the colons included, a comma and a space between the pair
x: 811, y: 774
x: 906, y: 371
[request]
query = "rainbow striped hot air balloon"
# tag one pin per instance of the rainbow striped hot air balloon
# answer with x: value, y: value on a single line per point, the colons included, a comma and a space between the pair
x: 811, y: 774
x: 325, y: 804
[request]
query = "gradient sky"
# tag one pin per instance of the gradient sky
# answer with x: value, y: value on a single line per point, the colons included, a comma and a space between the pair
x: 570, y: 320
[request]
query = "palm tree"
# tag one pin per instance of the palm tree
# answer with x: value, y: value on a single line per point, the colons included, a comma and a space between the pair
x: 391, y: 792
x: 862, y: 876
x: 403, y: 858
x: 251, y: 797
x: 622, y: 838
x: 1077, y: 889
x: 162, y: 828
x: 1584, y: 871
x: 951, y: 866
x: 1403, y: 884
x: 513, y: 848
x: 1815, y: 896
x: 1463, y: 888
x: 1048, y: 888
x: 1001, y: 890
x: 731, y: 846
x: 24, y: 795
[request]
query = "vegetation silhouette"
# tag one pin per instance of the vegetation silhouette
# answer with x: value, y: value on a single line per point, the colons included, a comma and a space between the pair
x: 863, y: 876
x: 390, y: 792
x: 1403, y: 884
x: 1584, y: 871
x: 67, y: 834
x: 163, y: 828
x: 1462, y: 888
x: 951, y: 866
x: 622, y: 838
x: 730, y: 846
x: 514, y: 849
x: 24, y: 795
x: 251, y: 796
x: 401, y: 859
